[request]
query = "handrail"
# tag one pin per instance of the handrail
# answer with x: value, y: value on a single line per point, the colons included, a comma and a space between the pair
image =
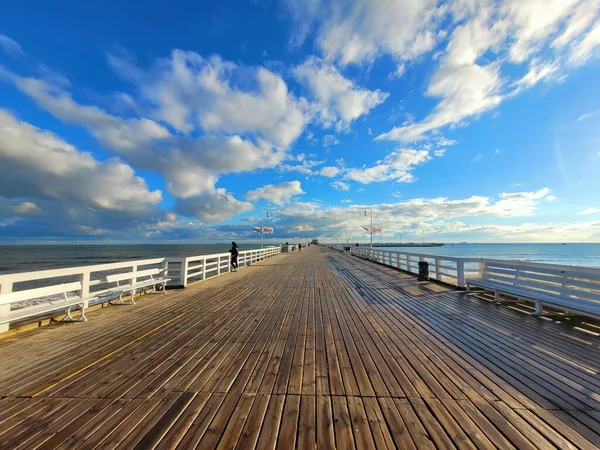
x: 182, y: 270
x: 450, y: 269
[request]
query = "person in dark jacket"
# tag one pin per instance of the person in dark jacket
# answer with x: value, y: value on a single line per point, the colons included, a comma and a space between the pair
x: 234, y: 256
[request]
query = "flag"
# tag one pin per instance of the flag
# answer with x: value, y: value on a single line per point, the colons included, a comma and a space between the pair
x: 376, y: 229
x: 266, y: 230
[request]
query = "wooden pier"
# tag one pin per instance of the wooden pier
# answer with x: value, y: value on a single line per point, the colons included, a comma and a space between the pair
x: 310, y: 349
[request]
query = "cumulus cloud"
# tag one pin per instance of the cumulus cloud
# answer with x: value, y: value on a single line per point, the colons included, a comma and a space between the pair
x: 279, y: 194
x: 330, y: 171
x: 396, y: 166
x: 10, y: 46
x: 191, y: 165
x: 189, y: 91
x: 336, y: 100
x: 26, y: 208
x: 438, y: 216
x: 212, y: 206
x: 38, y: 164
x: 340, y: 186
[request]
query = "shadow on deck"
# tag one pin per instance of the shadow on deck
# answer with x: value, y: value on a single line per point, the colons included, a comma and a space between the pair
x: 311, y: 349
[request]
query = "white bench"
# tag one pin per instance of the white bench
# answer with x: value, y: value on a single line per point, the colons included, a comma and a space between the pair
x: 571, y: 289
x: 50, y: 306
x: 156, y: 278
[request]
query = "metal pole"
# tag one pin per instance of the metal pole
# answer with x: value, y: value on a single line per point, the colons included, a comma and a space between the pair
x: 371, y: 227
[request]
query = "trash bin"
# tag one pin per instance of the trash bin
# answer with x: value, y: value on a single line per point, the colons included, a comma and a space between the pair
x: 423, y: 271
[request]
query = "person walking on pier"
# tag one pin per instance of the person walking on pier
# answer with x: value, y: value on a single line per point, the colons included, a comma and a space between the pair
x: 234, y: 256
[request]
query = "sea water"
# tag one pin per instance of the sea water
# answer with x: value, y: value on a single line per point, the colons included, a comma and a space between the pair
x: 26, y: 258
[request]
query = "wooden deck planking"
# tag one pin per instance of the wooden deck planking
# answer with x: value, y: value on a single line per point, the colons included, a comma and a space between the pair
x: 307, y: 350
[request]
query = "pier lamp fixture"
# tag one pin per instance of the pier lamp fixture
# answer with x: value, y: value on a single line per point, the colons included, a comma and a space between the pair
x: 371, y: 210
x: 262, y: 229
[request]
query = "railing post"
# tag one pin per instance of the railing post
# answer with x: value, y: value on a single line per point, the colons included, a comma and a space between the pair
x: 204, y: 269
x: 84, y: 279
x: 438, y: 275
x: 481, y: 267
x: 460, y: 274
x: 183, y: 271
x: 218, y: 265
x: 5, y: 288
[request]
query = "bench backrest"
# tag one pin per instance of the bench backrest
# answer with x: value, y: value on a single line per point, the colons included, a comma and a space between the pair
x: 31, y: 294
x: 568, y: 283
x: 129, y: 275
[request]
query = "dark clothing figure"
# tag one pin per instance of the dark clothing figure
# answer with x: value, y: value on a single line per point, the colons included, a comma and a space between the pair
x: 299, y: 247
x: 234, y: 256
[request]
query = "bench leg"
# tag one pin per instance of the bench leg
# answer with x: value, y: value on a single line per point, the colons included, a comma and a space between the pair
x: 496, y: 297
x: 120, y: 301
x: 70, y: 318
x: 539, y: 308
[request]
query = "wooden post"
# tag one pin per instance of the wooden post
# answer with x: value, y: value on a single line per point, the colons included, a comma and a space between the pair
x: 460, y: 274
x: 183, y: 271
x: 5, y: 288
x: 204, y: 269
x: 438, y: 275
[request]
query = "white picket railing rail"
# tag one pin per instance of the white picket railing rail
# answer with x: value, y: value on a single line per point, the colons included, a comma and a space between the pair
x: 449, y: 269
x: 195, y: 268
x: 182, y: 271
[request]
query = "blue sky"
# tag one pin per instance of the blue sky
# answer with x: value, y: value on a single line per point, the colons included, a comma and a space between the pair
x: 462, y: 120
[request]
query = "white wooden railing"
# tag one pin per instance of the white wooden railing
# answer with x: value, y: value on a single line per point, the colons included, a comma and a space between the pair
x: 196, y: 268
x: 441, y: 268
x: 182, y: 271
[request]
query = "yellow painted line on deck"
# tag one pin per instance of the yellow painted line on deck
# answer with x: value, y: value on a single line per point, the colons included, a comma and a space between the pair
x: 71, y: 373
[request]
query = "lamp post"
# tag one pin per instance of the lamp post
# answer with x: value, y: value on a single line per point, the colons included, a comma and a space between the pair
x: 370, y: 209
x: 262, y: 229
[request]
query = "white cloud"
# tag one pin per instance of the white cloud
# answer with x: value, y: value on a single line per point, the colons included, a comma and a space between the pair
x: 437, y: 216
x: 588, y: 116
x: 588, y: 211
x: 538, y: 71
x: 580, y: 21
x: 478, y: 157
x: 125, y: 135
x: 551, y: 198
x: 340, y: 186
x: 10, y: 46
x: 279, y: 194
x: 356, y: 31
x: 585, y: 49
x: 38, y: 164
x: 519, y: 203
x: 346, y: 200
x: 191, y: 92
x: 474, y: 75
x: 329, y: 140
x: 26, y: 208
x: 337, y: 100
x: 212, y: 206
x: 330, y: 171
x: 397, y: 166
x: 191, y: 165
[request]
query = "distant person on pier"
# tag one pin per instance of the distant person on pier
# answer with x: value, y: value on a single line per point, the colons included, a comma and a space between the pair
x: 234, y: 256
x: 299, y: 247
